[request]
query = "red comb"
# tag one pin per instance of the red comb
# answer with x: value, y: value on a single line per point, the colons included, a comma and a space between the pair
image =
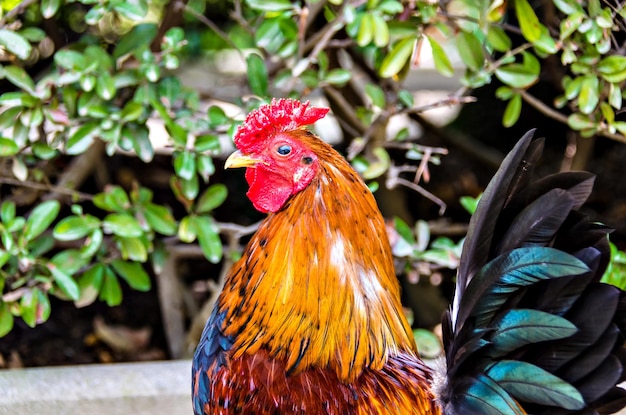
x: 269, y: 119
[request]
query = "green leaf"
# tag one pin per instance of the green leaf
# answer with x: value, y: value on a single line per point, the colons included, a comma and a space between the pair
x: 160, y: 219
x: 216, y: 116
x: 90, y: 284
x: 270, y: 5
x: 19, y: 77
x: 70, y: 59
x: 520, y: 75
x: 404, y: 230
x: 7, y: 211
x: 572, y: 87
x: 498, y: 39
x: 6, y: 319
x: 82, y: 138
x: 69, y: 260
x: 615, y: 96
x: 212, y: 197
x: 66, y: 283
x: 528, y: 21
x: 442, y: 63
x: 546, y: 43
x: 88, y: 82
x: 122, y: 224
x: 132, y: 248
x: 512, y: 111
x: 187, y: 231
x: 577, y: 121
x: 396, y: 59
x: 173, y: 37
x: 141, y: 141
x: 114, y: 198
x: 49, y: 8
x: 185, y: 164
x: 257, y: 74
x: 427, y: 343
x: 111, y: 291
x: 208, y: 238
x: 40, y: 218
x: 406, y: 98
x: 15, y: 43
x: 92, y: 243
x: 71, y: 228
x: 132, y: 9
x: 376, y: 94
x: 366, y: 30
x: 469, y: 203
x: 19, y: 169
x: 105, y: 87
x: 568, y: 6
x: 132, y: 111
x: 338, y: 76
x: 205, y: 166
x: 190, y: 188
x: 139, y: 37
x: 381, y: 30
x: 133, y: 273
x: 208, y: 142
x: 8, y: 147
x: 613, y: 68
x: 470, y: 50
x: 28, y: 308
x: 607, y: 112
x: 530, y: 383
x: 33, y: 34
x: 589, y: 94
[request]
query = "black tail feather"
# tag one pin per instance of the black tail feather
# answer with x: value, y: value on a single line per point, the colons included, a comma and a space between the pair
x: 529, y: 300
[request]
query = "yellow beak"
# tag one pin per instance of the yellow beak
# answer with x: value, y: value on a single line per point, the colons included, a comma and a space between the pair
x: 237, y: 159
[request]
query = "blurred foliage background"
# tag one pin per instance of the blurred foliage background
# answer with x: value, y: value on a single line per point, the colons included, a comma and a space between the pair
x: 115, y: 117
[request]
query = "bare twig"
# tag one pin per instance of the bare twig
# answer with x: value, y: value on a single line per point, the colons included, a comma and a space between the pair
x: 320, y: 42
x: 47, y: 188
x: 209, y: 23
x: 237, y: 231
x: 447, y: 102
x: 418, y: 147
x: 394, y: 180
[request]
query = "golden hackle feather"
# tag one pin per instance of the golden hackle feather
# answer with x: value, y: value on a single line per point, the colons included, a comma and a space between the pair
x: 311, y: 304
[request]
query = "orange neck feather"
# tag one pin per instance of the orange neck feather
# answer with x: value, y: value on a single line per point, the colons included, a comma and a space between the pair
x: 316, y: 285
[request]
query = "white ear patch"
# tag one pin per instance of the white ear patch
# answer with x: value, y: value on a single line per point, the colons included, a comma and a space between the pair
x: 298, y: 175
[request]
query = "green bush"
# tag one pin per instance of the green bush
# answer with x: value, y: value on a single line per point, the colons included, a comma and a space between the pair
x: 86, y: 76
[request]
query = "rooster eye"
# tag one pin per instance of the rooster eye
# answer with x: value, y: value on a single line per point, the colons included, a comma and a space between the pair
x: 284, y: 150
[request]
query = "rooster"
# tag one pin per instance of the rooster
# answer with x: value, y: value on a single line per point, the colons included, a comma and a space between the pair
x: 310, y: 321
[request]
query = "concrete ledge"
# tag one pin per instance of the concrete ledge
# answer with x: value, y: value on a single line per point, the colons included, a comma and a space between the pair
x: 149, y: 388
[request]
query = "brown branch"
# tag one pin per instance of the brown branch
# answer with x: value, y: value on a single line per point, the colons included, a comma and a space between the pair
x: 46, y: 187
x: 209, y: 23
x: 556, y: 115
x: 447, y: 102
x: 79, y: 169
x: 394, y: 180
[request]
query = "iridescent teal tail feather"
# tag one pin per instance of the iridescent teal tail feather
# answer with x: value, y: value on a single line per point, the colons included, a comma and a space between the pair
x: 532, y: 329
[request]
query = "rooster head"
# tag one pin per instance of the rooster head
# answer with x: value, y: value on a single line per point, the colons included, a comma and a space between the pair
x: 270, y: 145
